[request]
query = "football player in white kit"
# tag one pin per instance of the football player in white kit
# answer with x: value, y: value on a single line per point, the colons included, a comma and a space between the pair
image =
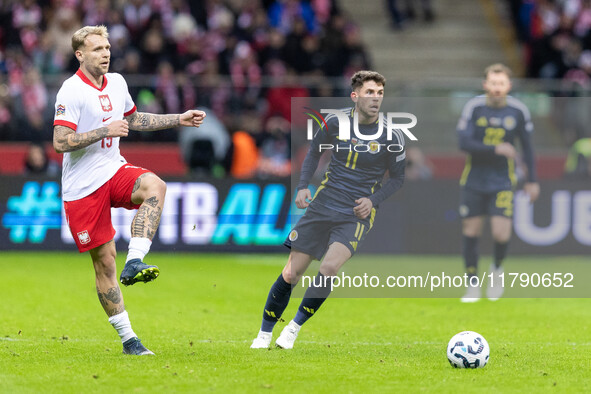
x: 93, y: 110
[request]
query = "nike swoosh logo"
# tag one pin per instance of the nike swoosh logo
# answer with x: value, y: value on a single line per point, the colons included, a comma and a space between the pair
x: 105, y: 119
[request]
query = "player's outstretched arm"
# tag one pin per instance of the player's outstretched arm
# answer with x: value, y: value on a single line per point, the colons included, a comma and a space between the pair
x: 142, y: 121
x: 66, y: 139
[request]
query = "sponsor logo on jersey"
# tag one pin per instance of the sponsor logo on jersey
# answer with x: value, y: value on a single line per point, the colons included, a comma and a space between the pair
x: 61, y: 110
x: 481, y: 122
x: 107, y: 118
x: 83, y: 237
x: 496, y: 122
x: 105, y: 102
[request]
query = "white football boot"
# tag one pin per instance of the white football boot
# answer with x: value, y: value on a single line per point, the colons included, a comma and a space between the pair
x: 262, y: 341
x: 288, y: 335
x: 495, y: 291
x: 472, y: 294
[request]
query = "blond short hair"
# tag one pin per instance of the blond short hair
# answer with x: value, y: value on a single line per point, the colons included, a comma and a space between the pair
x: 360, y: 77
x: 497, y: 68
x: 80, y: 36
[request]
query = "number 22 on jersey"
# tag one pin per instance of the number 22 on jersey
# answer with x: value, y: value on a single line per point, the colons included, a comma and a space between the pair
x: 493, y: 135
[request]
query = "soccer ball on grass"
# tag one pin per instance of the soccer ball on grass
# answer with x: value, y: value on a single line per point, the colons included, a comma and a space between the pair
x: 468, y: 349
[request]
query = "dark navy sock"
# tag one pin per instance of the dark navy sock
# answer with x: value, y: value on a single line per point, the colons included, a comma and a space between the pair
x: 315, y: 295
x: 276, y: 303
x: 500, y: 252
x: 470, y: 253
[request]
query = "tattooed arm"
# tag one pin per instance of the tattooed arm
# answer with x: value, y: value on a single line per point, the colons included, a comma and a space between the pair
x: 142, y: 121
x: 66, y: 139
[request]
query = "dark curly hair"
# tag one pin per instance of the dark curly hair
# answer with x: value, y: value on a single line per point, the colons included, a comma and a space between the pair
x: 360, y: 77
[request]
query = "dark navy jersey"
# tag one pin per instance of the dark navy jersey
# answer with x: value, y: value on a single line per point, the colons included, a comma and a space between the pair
x: 480, y: 129
x: 357, y: 167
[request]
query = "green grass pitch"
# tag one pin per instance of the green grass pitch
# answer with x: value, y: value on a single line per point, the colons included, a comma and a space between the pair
x: 202, y: 313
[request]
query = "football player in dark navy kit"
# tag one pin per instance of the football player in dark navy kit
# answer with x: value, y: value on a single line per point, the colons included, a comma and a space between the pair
x: 488, y: 128
x: 343, y: 209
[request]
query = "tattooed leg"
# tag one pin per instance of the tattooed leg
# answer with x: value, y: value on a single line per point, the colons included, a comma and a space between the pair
x: 112, y: 300
x: 107, y: 286
x: 150, y: 190
x: 109, y: 294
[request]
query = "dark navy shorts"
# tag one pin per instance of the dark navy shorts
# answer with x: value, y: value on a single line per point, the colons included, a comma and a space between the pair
x: 321, y: 226
x: 477, y: 203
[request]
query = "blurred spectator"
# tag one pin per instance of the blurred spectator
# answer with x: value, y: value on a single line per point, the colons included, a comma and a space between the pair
x: 396, y: 15
x: 246, y: 73
x: 153, y: 48
x: 279, y: 97
x: 131, y: 62
x: 5, y: 119
x: 166, y: 88
x: 61, y: 28
x: 183, y: 32
x: 323, y: 9
x: 37, y: 162
x: 333, y: 45
x: 245, y: 155
x: 136, y: 14
x: 355, y: 56
x: 97, y: 12
x: 283, y: 13
x: 30, y: 97
x: 214, y: 91
x: 26, y: 19
x: 275, y: 148
x: 120, y: 39
x: 294, y: 53
x: 45, y: 58
x: 26, y: 14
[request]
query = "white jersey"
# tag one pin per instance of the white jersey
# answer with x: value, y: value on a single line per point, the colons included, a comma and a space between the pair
x: 83, y: 107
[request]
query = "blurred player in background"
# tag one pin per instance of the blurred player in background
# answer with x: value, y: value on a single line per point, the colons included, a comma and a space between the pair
x: 487, y: 131
x: 343, y: 209
x: 93, y: 110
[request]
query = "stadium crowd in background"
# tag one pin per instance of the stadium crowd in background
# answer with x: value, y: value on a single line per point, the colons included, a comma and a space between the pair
x: 557, y: 38
x: 233, y: 56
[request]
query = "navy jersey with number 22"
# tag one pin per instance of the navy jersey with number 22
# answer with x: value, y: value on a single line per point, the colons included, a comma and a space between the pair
x: 480, y: 129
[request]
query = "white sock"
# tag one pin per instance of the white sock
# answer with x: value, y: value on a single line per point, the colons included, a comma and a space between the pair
x: 121, y: 323
x: 138, y: 248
